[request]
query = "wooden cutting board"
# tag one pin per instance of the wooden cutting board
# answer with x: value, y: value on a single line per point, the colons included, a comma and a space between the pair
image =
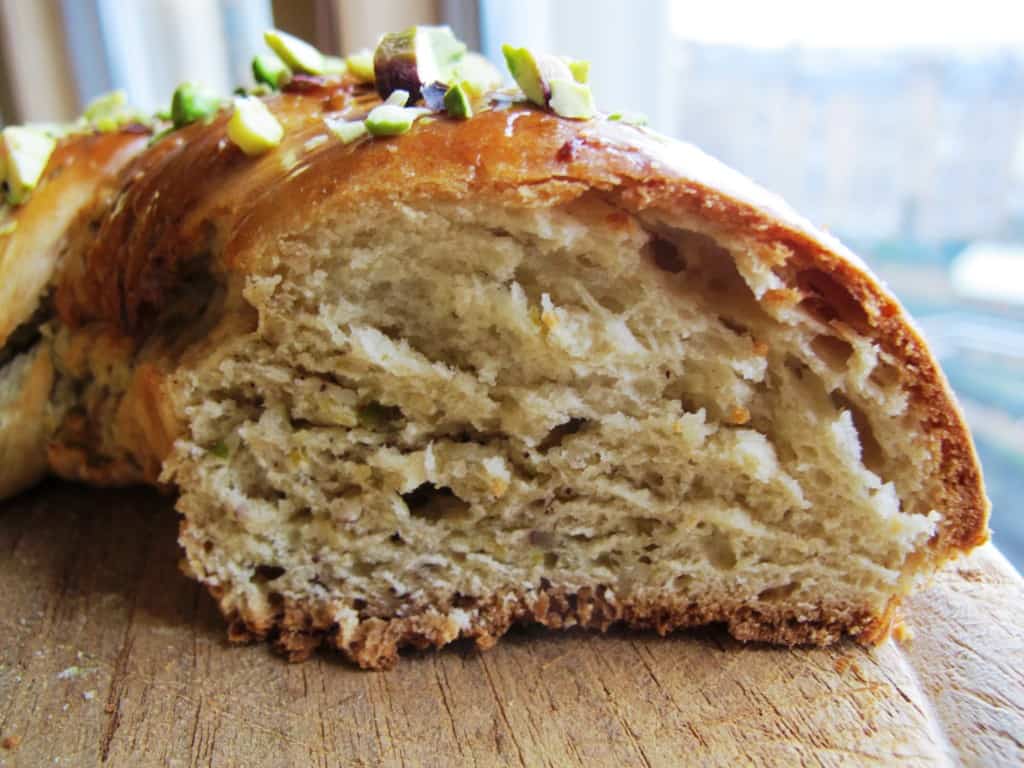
x: 108, y: 656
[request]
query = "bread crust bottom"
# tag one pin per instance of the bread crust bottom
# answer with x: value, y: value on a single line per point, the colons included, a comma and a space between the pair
x: 296, y: 630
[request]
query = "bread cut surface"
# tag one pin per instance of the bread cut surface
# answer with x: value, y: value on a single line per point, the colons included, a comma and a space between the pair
x: 516, y: 368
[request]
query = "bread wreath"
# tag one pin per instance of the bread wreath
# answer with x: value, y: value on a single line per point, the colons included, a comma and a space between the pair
x: 141, y: 227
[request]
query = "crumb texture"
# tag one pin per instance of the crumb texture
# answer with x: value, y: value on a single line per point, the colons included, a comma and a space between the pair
x: 444, y: 418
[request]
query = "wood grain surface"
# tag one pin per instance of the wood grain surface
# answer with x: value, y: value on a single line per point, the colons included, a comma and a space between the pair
x: 108, y: 656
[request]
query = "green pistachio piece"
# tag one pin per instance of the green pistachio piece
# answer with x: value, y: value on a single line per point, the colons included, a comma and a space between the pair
x: 253, y: 127
x: 334, y: 65
x: 629, y: 118
x: 109, y: 112
x: 360, y: 65
x: 534, y: 72
x: 456, y: 102
x: 524, y: 70
x: 389, y: 120
x: 270, y: 70
x: 192, y: 102
x: 346, y: 130
x: 571, y: 99
x: 398, y: 98
x: 580, y: 70
x: 27, y: 152
x: 296, y: 53
x: 414, y: 58
x: 477, y: 75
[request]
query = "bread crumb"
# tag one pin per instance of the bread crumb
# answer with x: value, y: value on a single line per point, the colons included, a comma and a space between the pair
x: 11, y: 742
x: 739, y: 415
x: 761, y: 348
x: 902, y: 632
x: 72, y: 672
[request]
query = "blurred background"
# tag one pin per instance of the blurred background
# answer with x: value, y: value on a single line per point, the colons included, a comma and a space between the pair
x: 897, y: 125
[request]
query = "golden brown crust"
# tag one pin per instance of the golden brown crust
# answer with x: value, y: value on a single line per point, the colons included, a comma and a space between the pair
x: 80, y: 173
x: 374, y: 642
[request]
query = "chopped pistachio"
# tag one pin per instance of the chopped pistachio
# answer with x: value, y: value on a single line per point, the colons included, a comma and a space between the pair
x: 456, y: 102
x: 107, y: 124
x: 347, y: 131
x: 105, y: 104
x: 253, y: 127
x: 524, y: 70
x: 270, y: 70
x: 534, y: 72
x: 334, y: 65
x: 360, y: 65
x: 192, y: 102
x: 296, y: 53
x: 8, y: 228
x: 571, y: 99
x: 397, y: 98
x: 416, y: 57
x: 260, y: 89
x: 580, y: 70
x: 477, y: 75
x: 629, y: 118
x: 389, y: 120
x: 109, y: 112
x: 27, y: 151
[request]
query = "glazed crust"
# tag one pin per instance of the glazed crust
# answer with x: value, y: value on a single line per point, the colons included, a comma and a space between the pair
x: 193, y: 203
